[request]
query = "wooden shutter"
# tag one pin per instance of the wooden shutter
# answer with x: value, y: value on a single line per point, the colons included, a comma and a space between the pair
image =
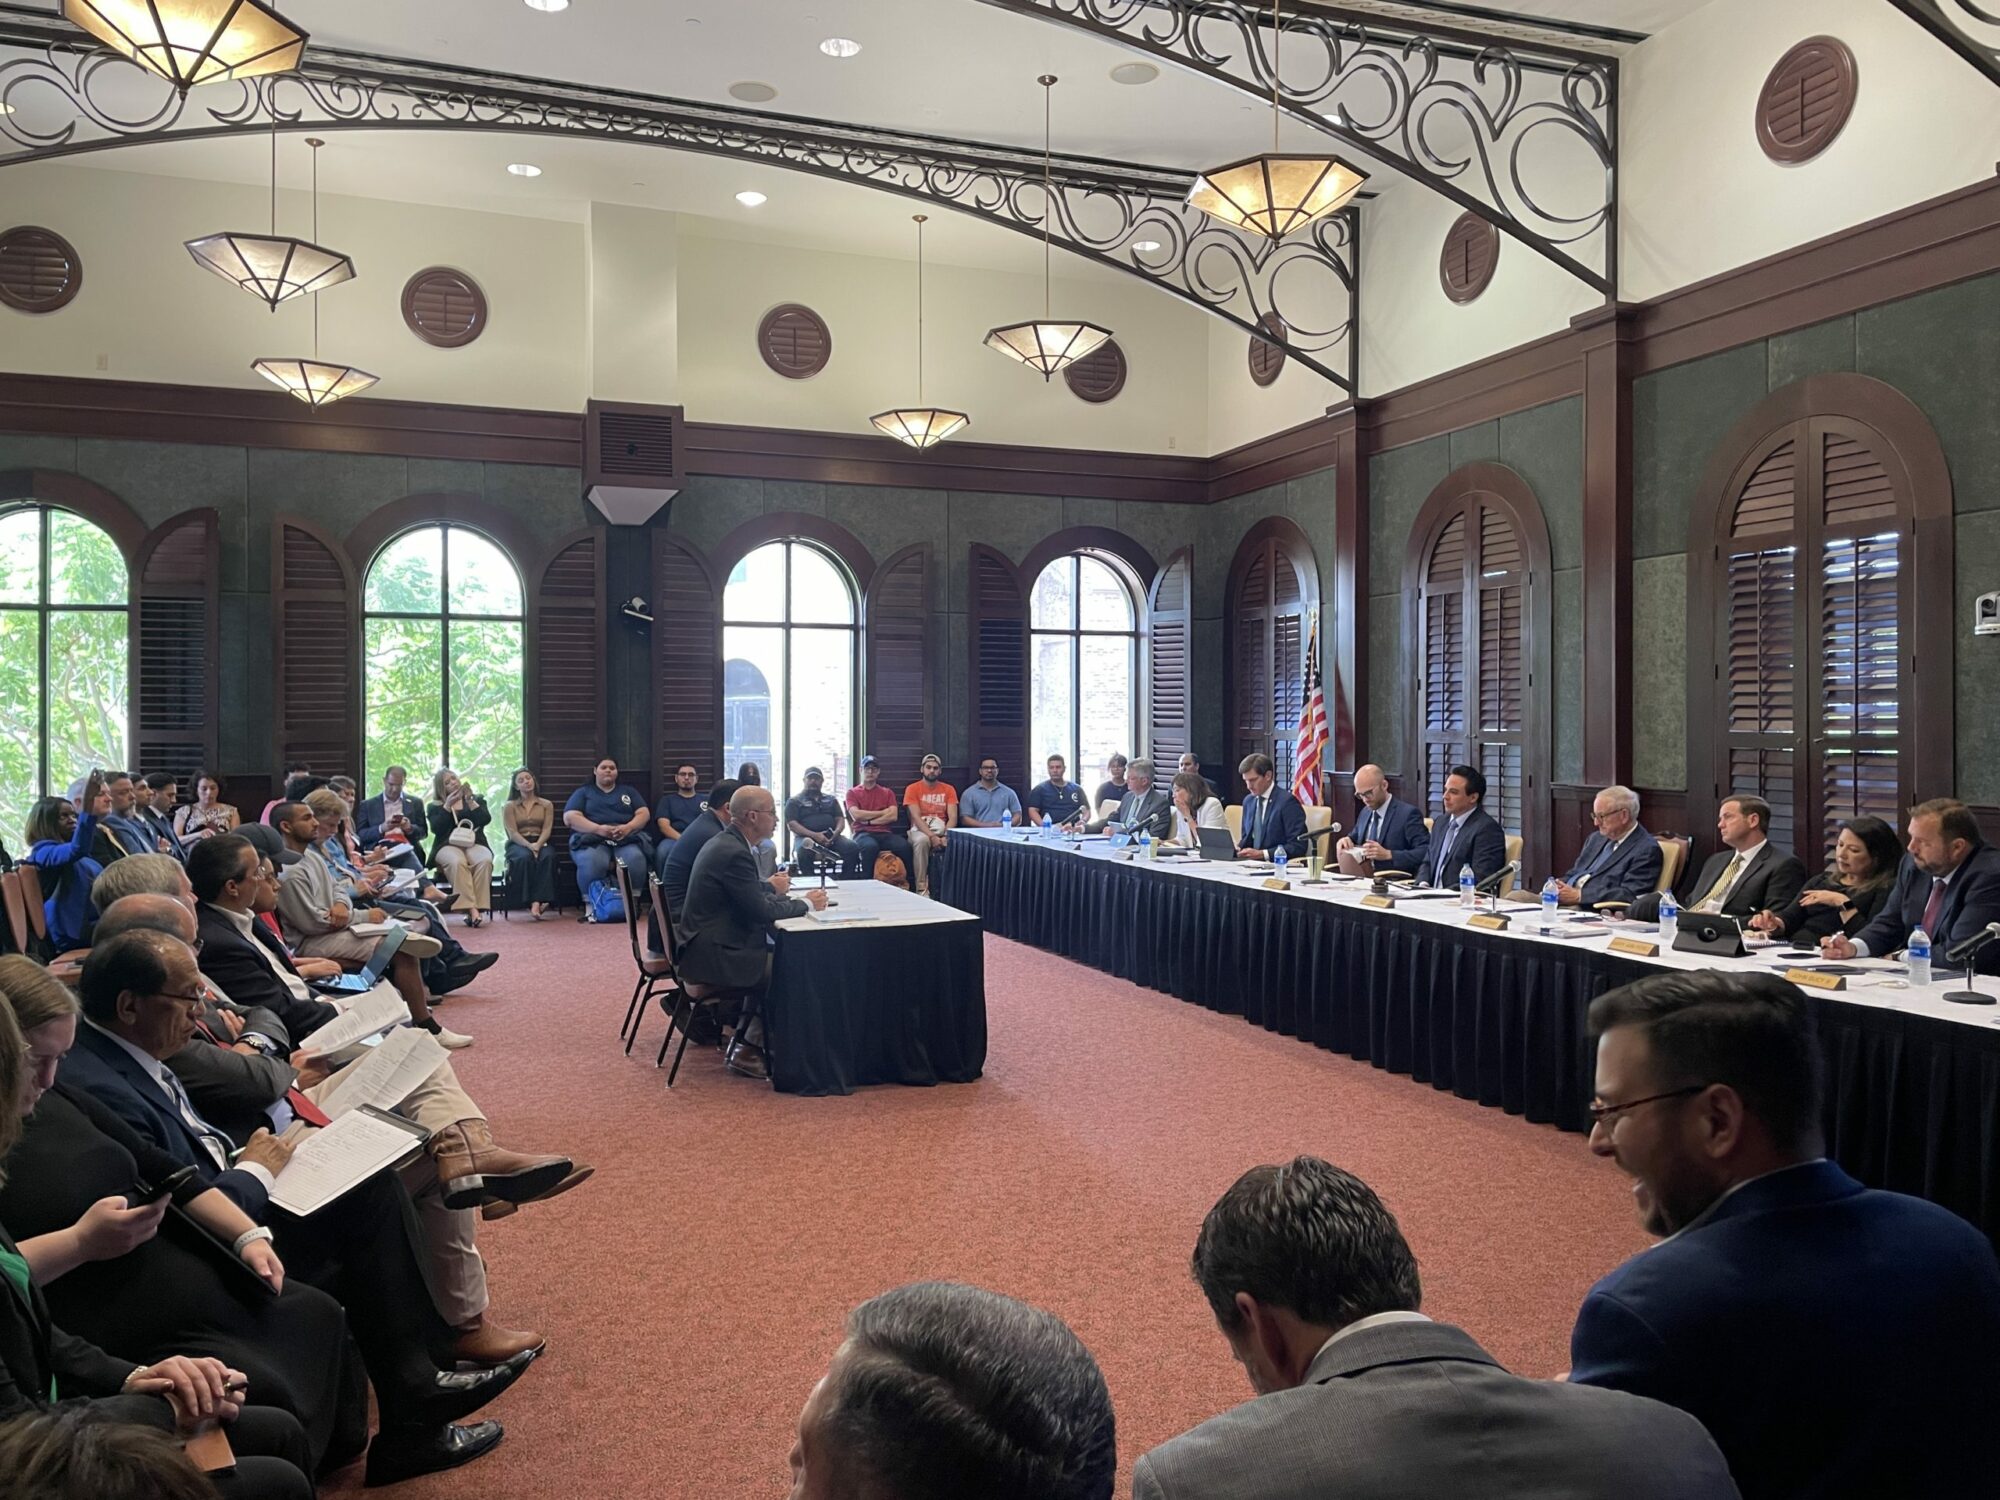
x: 998, y: 610
x: 1249, y: 722
x: 176, y: 638
x: 1169, y: 660
x: 687, y: 659
x: 1272, y: 590
x: 566, y: 735
x: 316, y: 650
x: 1442, y: 694
x: 896, y: 624
x: 1502, y: 581
x: 1760, y: 571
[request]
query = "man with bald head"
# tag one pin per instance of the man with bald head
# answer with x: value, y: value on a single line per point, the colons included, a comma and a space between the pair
x: 1388, y: 834
x: 725, y: 923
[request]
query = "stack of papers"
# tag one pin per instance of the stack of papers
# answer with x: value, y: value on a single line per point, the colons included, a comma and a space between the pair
x: 330, y: 1162
x: 369, y: 1015
x: 387, y: 1076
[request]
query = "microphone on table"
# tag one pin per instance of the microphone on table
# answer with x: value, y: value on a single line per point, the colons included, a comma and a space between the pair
x: 1490, y: 886
x: 1964, y: 950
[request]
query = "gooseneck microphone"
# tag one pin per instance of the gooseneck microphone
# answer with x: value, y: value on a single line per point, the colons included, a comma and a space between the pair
x: 1963, y: 950
x: 1492, y: 883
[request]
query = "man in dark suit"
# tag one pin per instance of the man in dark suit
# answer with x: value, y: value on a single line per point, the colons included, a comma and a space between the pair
x: 1949, y: 886
x: 1748, y: 874
x: 1465, y: 835
x: 391, y: 813
x: 1388, y: 835
x: 1143, y: 807
x: 725, y: 923
x: 1359, y: 1393
x: 1836, y: 1342
x: 1618, y: 862
x: 240, y: 953
x: 1272, y: 817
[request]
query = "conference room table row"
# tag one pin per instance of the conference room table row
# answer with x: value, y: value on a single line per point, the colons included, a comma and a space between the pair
x: 1913, y: 1080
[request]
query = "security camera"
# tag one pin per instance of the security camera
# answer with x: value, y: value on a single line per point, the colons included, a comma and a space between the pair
x: 636, y: 608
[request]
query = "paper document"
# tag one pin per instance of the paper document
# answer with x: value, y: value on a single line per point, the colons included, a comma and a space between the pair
x: 343, y: 1155
x: 842, y: 914
x: 387, y: 1075
x: 1566, y: 930
x: 373, y: 929
x: 371, y: 1013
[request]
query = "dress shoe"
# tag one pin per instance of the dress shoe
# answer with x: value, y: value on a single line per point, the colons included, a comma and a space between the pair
x: 500, y: 1209
x: 457, y: 1394
x: 404, y: 1453
x: 471, y: 1168
x: 746, y: 1060
x: 479, y: 963
x: 489, y: 1344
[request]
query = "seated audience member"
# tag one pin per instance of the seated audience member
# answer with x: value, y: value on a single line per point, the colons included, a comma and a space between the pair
x: 60, y: 835
x: 458, y: 814
x: 933, y: 805
x: 1190, y: 764
x: 316, y: 912
x: 1358, y: 1393
x: 530, y: 821
x: 1272, y: 817
x: 1844, y: 897
x: 874, y: 811
x: 749, y: 774
x: 292, y: 771
x: 1834, y: 1340
x: 1620, y: 861
x: 208, y: 814
x: 1466, y: 834
x: 1195, y: 806
x: 606, y: 821
x: 1949, y: 886
x: 141, y: 1285
x: 725, y: 923
x: 41, y: 1363
x: 1057, y: 799
x: 390, y: 818
x: 161, y: 794
x: 677, y: 858
x: 1144, y: 807
x: 752, y: 774
x: 140, y: 995
x: 77, y: 1452
x: 1747, y: 875
x: 1112, y: 788
x: 988, y: 799
x: 815, y: 821
x: 1388, y: 834
x: 119, y: 833
x: 945, y: 1392
x: 679, y: 807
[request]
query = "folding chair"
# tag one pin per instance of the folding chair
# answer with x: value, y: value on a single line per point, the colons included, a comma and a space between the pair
x: 655, y: 970
x: 690, y: 997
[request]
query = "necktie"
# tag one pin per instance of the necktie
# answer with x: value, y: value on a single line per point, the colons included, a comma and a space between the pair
x: 1439, y: 873
x: 1596, y: 864
x: 1256, y: 822
x: 217, y: 1152
x: 1721, y: 887
x: 1933, y: 908
x: 1369, y: 820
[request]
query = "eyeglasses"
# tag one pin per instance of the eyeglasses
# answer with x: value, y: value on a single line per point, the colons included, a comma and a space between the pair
x: 1607, y: 1114
x: 1598, y: 817
x: 197, y: 998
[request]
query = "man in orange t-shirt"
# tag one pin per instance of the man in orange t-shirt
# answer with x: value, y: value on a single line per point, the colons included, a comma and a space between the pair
x: 933, y: 805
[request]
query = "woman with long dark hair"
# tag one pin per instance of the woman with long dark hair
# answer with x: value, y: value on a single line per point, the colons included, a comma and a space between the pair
x: 1846, y: 895
x: 530, y: 820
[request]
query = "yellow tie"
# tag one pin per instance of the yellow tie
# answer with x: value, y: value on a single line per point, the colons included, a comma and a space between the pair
x: 1721, y: 887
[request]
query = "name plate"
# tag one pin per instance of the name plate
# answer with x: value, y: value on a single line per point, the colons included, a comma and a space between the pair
x: 1277, y: 883
x: 1380, y: 903
x: 1488, y: 921
x: 1635, y: 947
x: 1812, y: 979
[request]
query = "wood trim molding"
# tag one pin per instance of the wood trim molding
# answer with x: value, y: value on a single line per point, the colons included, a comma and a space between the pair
x: 385, y: 523
x: 92, y: 501
x: 784, y: 525
x: 1090, y: 539
x: 1607, y: 344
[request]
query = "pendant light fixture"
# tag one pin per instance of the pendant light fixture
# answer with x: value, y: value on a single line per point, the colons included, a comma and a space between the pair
x: 920, y: 426
x: 1273, y: 195
x: 271, y: 267
x: 1047, y: 344
x: 314, y: 381
x: 192, y: 42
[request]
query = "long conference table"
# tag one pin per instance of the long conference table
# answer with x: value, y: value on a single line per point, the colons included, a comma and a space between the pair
x: 1913, y: 1081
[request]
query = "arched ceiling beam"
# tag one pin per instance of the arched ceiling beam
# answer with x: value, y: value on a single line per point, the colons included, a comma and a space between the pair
x: 1466, y: 112
x: 1971, y: 28
x: 1104, y: 210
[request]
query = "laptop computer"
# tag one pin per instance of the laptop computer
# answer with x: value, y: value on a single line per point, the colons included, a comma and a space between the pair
x: 371, y: 972
x: 1216, y: 843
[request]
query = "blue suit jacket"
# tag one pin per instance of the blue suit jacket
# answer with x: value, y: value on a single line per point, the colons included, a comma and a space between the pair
x: 1402, y: 833
x: 1834, y: 1340
x: 1284, y: 825
x: 113, y: 1077
x: 1626, y: 876
x: 1480, y: 843
x: 1970, y: 902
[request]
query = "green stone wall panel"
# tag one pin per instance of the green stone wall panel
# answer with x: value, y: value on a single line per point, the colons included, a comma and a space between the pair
x: 1942, y: 350
x: 1544, y: 445
x: 1567, y: 760
x: 1659, y: 671
x: 1678, y: 416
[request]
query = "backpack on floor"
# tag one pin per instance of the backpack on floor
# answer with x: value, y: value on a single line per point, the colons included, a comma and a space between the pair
x: 889, y: 869
x: 603, y: 902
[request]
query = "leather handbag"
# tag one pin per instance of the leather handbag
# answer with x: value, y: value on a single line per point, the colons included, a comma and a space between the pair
x: 464, y: 836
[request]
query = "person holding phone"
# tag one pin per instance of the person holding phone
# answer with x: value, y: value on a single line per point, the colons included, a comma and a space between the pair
x: 60, y: 835
x: 458, y: 818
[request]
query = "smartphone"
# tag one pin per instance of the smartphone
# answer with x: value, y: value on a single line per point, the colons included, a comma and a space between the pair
x: 144, y: 1193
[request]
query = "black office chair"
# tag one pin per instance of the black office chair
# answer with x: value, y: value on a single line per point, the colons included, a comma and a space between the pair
x: 690, y: 997
x: 655, y: 970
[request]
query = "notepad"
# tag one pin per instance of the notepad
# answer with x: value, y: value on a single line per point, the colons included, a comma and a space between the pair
x: 332, y: 1162
x: 370, y: 1015
x: 387, y: 1075
x: 841, y: 914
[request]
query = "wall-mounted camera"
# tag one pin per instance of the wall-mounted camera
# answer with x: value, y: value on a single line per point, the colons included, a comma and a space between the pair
x: 636, y: 608
x: 1986, y: 614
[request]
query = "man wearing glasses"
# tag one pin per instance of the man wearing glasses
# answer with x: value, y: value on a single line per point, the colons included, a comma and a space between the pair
x: 1834, y: 1340
x: 1619, y: 862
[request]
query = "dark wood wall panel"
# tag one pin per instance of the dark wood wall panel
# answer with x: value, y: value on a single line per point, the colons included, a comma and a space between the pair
x: 176, y: 646
x: 997, y: 723
x: 687, y: 658
x: 1169, y: 662
x: 896, y: 619
x: 315, y: 650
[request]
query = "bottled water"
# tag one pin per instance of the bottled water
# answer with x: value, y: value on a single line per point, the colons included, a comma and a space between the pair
x: 1918, y: 956
x: 1006, y: 820
x: 1465, y: 885
x: 1670, y: 918
x: 1551, y: 902
x: 1145, y: 844
x: 1048, y: 830
x: 1278, y: 859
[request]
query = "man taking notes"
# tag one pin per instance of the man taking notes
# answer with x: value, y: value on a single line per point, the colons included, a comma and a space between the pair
x: 1272, y: 817
x: 1388, y: 835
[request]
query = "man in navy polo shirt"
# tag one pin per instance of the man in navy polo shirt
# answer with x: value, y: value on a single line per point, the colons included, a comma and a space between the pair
x: 606, y: 821
x: 679, y: 807
x: 1062, y: 801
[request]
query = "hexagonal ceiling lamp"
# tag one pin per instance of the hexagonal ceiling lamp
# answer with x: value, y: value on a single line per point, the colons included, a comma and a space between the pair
x: 192, y: 42
x: 920, y: 426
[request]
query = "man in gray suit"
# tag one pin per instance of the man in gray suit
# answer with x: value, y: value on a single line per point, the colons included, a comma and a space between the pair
x: 1361, y: 1396
x: 1143, y: 805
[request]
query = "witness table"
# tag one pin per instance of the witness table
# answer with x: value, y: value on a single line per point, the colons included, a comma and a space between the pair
x: 1913, y: 1082
x: 896, y: 995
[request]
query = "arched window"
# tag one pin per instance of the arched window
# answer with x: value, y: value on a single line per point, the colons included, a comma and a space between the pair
x: 1273, y: 590
x: 64, y: 682
x: 1083, y: 616
x: 788, y: 673
x: 442, y: 639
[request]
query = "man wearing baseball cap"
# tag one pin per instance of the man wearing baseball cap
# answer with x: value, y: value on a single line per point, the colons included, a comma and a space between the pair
x: 875, y: 813
x: 933, y: 805
x: 815, y: 822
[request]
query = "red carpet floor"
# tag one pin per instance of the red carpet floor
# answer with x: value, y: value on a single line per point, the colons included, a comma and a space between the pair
x: 693, y: 1290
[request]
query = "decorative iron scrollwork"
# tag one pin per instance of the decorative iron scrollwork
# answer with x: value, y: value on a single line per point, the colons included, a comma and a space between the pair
x: 1971, y: 28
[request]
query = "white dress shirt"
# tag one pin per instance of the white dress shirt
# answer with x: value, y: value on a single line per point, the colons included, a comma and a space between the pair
x: 1743, y: 859
x: 211, y: 1138
x: 1373, y: 1320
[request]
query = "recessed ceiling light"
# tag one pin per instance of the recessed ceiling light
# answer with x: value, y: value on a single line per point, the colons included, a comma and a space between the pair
x: 524, y: 169
x: 839, y: 46
x: 548, y: 5
x: 1134, y: 72
x: 1145, y: 247
x: 751, y: 200
x: 753, y: 93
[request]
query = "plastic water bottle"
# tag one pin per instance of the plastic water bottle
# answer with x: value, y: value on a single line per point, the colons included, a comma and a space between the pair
x: 1918, y: 956
x: 1145, y: 844
x: 1466, y: 895
x: 1278, y: 858
x: 1006, y: 820
x: 1048, y: 830
x: 1670, y: 918
x: 1551, y: 902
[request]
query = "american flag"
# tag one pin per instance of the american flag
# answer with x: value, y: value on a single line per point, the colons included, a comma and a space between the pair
x: 1312, y: 726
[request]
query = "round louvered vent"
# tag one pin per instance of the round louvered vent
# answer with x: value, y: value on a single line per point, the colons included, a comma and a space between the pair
x: 1267, y: 358
x: 39, y: 270
x: 444, y: 307
x: 1806, y: 100
x: 1099, y: 375
x: 794, y: 341
x: 1471, y: 252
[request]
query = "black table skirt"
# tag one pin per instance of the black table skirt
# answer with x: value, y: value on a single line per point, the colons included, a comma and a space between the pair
x: 861, y: 1005
x: 1913, y: 1103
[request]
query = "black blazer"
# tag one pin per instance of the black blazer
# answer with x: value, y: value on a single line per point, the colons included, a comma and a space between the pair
x: 725, y: 923
x: 1970, y: 902
x: 33, y: 1351
x: 443, y: 820
x: 368, y: 823
x: 1815, y: 922
x: 1480, y: 843
x: 1772, y: 883
x: 228, y: 958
